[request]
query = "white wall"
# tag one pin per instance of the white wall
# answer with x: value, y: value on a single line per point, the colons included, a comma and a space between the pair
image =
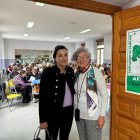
x: 132, y: 3
x: 1, y: 52
x: 11, y: 45
x: 91, y: 45
x: 107, y: 48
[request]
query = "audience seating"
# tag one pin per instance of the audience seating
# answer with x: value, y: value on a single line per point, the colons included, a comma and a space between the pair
x: 12, y: 94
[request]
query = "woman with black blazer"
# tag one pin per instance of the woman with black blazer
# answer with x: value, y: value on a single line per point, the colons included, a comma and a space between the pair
x: 56, y: 96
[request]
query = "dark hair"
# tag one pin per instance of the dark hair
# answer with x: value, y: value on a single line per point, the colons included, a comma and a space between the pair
x: 58, y: 47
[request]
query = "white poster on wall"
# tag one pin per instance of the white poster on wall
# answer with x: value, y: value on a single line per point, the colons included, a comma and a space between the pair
x: 132, y: 84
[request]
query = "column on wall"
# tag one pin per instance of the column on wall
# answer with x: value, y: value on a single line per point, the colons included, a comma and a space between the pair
x: 1, y: 52
x: 107, y: 48
x: 91, y: 45
x: 9, y: 53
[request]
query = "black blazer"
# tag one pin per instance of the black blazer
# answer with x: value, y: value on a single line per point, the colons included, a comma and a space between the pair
x: 52, y: 91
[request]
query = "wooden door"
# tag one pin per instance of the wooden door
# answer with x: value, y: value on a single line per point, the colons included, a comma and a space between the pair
x: 125, y: 107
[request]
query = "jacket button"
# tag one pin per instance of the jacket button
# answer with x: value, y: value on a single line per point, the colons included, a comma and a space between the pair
x: 54, y: 100
x: 56, y: 80
x: 56, y: 73
x: 56, y: 87
x: 55, y: 93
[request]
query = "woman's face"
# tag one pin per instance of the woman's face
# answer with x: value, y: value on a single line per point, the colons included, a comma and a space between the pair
x: 82, y: 60
x: 62, y: 57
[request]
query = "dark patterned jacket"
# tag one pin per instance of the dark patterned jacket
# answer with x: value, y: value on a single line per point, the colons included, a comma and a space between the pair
x: 52, y: 91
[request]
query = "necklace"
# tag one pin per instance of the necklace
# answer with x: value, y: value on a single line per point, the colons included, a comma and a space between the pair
x: 78, y: 93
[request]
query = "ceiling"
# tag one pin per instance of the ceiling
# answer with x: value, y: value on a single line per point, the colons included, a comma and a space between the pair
x: 52, y: 23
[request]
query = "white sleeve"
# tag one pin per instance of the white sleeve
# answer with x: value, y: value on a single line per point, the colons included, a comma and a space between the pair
x: 101, y: 86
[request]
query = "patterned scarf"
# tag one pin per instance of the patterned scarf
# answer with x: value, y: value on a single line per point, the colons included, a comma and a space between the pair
x: 91, y: 90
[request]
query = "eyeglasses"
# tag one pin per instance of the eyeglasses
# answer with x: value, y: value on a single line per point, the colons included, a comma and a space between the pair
x: 84, y: 57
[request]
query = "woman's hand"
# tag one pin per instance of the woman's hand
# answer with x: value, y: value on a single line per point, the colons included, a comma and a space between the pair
x: 101, y: 121
x: 44, y: 125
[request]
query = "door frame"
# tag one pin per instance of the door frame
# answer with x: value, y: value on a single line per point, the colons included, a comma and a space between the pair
x: 85, y: 5
x: 96, y: 7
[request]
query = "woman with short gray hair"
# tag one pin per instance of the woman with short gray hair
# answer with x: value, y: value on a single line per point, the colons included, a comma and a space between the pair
x: 91, y: 97
x: 79, y: 50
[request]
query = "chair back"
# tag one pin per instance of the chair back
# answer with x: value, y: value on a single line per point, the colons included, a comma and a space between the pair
x: 11, y: 86
x: 10, y: 83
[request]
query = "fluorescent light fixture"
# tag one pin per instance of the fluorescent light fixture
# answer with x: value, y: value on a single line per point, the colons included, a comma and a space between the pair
x: 39, y: 4
x: 30, y: 24
x: 67, y: 38
x: 84, y: 31
x: 25, y: 35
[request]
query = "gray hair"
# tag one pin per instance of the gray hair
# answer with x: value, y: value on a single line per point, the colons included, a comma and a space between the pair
x: 79, y: 50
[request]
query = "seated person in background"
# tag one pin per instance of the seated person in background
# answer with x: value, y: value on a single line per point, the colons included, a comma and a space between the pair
x: 28, y: 73
x: 26, y: 80
x: 35, y: 73
x: 34, y: 76
x: 13, y: 73
x: 21, y: 86
x: 108, y: 73
x: 9, y: 69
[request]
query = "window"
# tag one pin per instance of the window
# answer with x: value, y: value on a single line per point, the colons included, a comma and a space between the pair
x: 100, y: 51
x: 100, y: 54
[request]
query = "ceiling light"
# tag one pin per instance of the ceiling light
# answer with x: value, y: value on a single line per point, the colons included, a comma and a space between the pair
x: 30, y: 24
x: 67, y: 38
x: 39, y: 4
x: 25, y: 35
x: 84, y: 31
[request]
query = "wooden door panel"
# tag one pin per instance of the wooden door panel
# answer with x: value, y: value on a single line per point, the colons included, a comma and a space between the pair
x: 122, y: 72
x: 125, y: 107
x: 126, y: 123
x: 122, y: 89
x: 129, y: 13
x: 123, y: 41
x: 123, y: 57
x: 122, y: 136
x: 137, y: 115
x: 131, y: 23
x: 122, y: 49
x: 122, y: 65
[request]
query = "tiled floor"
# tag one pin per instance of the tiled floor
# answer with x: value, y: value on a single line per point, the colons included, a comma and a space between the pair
x: 21, y: 123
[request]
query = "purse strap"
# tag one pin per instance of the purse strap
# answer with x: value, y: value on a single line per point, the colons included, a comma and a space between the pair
x: 38, y: 132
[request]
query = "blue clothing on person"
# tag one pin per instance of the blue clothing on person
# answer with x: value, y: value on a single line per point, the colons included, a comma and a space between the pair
x: 37, y: 81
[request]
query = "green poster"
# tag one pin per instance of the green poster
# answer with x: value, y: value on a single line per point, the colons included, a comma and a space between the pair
x: 132, y: 84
